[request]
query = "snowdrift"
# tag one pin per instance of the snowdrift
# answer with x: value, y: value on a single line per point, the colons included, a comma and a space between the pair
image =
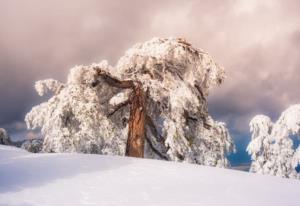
x: 84, y: 179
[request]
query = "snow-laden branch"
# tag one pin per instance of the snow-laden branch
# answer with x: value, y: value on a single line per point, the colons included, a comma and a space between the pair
x: 44, y: 86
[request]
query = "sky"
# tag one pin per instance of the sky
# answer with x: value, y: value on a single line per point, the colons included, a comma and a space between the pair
x: 257, y: 42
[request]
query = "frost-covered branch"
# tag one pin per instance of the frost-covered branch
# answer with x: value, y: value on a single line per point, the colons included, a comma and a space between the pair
x: 44, y: 86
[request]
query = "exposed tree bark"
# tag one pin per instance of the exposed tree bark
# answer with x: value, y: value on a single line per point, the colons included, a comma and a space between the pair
x: 115, y: 82
x: 136, y: 130
x: 137, y: 119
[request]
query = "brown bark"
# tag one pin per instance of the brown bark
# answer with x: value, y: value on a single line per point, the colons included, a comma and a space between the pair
x: 115, y: 82
x: 136, y: 130
x: 137, y: 119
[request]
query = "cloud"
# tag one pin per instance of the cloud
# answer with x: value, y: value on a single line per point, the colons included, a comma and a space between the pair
x: 45, y: 39
x: 256, y: 41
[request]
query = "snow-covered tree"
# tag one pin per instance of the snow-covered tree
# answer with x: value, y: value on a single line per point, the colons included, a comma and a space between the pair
x: 271, y: 148
x: 4, y: 137
x: 94, y: 111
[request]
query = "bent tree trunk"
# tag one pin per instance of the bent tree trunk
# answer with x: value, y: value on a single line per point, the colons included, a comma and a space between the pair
x: 136, y: 129
x: 136, y: 125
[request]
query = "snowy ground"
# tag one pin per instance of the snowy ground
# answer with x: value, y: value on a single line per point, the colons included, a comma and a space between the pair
x: 75, y: 179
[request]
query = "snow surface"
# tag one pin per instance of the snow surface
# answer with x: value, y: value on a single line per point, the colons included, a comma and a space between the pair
x: 29, y: 179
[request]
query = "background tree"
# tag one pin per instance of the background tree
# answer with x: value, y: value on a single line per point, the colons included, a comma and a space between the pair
x: 4, y: 137
x: 271, y: 149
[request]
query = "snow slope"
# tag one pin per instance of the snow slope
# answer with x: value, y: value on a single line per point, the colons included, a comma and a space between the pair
x: 80, y: 179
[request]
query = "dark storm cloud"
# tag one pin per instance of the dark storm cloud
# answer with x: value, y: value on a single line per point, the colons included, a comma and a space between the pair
x: 256, y: 41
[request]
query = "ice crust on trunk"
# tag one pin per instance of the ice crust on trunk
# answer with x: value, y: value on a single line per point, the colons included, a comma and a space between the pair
x: 176, y: 78
x: 271, y: 148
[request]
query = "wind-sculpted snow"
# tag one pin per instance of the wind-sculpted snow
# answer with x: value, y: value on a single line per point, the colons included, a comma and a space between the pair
x: 271, y: 147
x: 176, y: 77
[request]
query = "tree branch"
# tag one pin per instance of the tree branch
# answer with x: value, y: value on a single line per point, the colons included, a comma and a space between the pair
x: 149, y: 122
x: 155, y: 150
x: 114, y: 81
x: 119, y: 106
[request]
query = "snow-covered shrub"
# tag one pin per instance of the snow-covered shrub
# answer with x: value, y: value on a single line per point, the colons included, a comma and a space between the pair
x: 82, y: 115
x: 33, y: 145
x: 271, y: 148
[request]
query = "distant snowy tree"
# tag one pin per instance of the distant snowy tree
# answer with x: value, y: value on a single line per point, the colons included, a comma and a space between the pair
x: 154, y: 99
x: 271, y: 148
x: 4, y: 137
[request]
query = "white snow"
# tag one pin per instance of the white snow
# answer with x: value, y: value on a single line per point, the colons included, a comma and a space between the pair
x: 84, y: 179
x: 44, y: 86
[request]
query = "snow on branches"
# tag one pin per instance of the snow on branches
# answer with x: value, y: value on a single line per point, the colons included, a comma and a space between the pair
x: 271, y: 148
x: 92, y: 112
x: 44, y: 86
